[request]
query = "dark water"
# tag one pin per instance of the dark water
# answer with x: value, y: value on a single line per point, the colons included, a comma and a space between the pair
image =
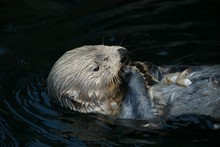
x: 35, y: 33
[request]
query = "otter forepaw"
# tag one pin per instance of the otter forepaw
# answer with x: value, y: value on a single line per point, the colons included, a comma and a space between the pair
x: 180, y: 78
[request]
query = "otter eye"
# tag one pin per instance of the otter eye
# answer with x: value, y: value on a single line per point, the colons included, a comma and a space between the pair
x: 96, y: 68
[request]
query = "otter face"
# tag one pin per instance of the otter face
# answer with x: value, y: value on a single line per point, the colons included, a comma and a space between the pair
x: 86, y: 79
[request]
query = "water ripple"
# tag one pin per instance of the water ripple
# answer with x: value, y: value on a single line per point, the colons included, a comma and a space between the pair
x: 35, y: 34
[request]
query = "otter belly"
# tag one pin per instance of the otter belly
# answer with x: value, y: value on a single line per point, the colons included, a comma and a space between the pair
x: 164, y: 100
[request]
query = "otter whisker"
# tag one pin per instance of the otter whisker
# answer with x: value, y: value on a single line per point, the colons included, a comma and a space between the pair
x: 61, y: 101
x: 113, y: 80
x: 100, y: 107
x: 119, y: 80
x: 93, y: 104
x: 72, y: 106
x: 66, y: 102
x: 122, y: 40
x: 103, y: 39
x: 116, y: 81
x: 90, y: 108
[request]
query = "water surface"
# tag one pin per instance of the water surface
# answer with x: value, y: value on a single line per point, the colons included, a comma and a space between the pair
x: 34, y: 34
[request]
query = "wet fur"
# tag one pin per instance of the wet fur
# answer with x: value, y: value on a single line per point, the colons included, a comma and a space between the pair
x: 75, y: 83
x: 164, y: 101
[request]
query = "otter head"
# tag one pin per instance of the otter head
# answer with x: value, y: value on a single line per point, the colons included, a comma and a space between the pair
x: 86, y: 79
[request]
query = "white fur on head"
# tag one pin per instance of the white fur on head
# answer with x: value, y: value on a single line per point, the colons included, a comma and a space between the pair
x: 85, y: 74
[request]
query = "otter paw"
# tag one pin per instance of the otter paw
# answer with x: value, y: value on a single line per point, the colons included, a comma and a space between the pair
x: 179, y: 78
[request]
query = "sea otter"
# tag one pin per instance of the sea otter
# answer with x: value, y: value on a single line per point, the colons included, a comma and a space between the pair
x: 101, y: 79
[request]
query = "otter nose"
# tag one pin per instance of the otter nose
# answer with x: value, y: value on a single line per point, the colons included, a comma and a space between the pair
x: 123, y: 54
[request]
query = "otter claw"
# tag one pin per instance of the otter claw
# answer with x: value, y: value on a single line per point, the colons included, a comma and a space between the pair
x: 184, y: 82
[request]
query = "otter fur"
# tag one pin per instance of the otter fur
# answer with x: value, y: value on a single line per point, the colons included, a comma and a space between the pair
x: 100, y: 79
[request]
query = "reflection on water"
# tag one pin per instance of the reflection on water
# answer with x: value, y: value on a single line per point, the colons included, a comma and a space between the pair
x: 34, y: 34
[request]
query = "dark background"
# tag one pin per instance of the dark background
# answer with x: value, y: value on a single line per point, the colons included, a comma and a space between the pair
x: 35, y: 33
